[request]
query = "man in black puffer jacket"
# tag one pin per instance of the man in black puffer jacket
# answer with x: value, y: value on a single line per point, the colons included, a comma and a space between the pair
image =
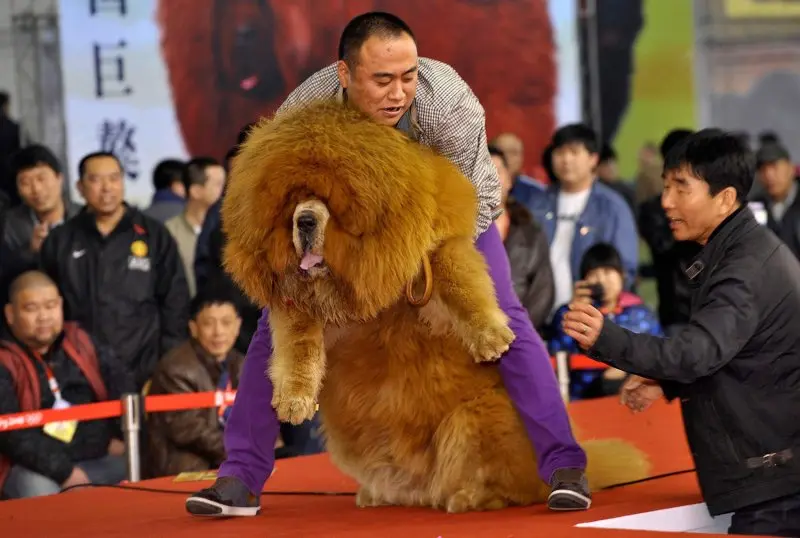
x: 735, y: 365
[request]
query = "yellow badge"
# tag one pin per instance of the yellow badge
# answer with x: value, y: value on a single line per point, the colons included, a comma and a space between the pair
x: 139, y: 248
x: 64, y: 431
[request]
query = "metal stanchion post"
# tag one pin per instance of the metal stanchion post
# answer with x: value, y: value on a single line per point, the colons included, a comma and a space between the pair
x: 562, y: 371
x: 131, y: 425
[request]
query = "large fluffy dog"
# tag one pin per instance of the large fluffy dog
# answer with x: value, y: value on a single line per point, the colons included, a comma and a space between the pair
x: 336, y: 224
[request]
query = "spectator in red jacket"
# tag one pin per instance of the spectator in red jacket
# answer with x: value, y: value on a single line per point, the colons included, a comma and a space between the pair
x: 46, y: 363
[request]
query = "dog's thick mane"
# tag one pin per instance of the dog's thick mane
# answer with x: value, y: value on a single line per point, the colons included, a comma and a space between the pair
x: 368, y: 176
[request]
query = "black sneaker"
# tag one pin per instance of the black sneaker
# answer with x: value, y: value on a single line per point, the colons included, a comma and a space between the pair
x: 570, y: 491
x: 228, y: 497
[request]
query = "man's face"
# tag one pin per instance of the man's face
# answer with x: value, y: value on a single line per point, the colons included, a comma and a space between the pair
x: 777, y: 178
x: 216, y: 328
x: 40, y: 188
x: 209, y: 193
x: 692, y: 212
x: 574, y: 165
x: 102, y: 185
x: 506, y: 182
x: 35, y: 316
x: 384, y: 81
x: 512, y: 148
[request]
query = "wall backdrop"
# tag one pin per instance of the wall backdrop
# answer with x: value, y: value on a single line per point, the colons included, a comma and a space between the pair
x: 153, y: 79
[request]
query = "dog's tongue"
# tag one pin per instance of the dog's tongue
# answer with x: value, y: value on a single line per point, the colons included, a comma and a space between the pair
x: 310, y: 260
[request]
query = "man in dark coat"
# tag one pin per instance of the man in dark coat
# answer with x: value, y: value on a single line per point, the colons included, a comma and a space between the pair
x: 735, y: 366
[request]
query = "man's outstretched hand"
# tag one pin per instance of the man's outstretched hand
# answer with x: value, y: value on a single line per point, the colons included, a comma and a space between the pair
x: 639, y: 393
x: 583, y: 323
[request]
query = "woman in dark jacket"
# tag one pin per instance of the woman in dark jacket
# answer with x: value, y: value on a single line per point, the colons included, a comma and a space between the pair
x: 528, y: 251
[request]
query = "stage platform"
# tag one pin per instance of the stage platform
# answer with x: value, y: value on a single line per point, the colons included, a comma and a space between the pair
x: 125, y: 513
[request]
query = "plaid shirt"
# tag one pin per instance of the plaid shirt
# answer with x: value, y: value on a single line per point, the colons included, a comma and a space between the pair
x: 445, y: 116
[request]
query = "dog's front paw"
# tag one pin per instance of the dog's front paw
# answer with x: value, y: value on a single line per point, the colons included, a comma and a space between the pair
x: 488, y: 343
x: 292, y: 405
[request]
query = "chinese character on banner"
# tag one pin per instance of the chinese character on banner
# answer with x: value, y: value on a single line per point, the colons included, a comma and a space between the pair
x: 95, y: 6
x: 117, y: 137
x: 109, y: 70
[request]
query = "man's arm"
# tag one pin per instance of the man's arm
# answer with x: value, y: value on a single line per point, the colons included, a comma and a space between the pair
x: 172, y: 294
x: 718, y: 330
x: 31, y: 447
x: 461, y: 137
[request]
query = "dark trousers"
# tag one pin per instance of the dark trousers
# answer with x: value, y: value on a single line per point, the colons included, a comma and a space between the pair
x: 300, y: 440
x: 780, y: 517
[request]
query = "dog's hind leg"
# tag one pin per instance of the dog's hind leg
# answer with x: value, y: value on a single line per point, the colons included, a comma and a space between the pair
x: 298, y: 364
x: 484, y: 460
x: 465, y: 288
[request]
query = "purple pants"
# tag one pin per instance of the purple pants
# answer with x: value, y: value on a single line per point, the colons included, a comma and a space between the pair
x: 527, y: 373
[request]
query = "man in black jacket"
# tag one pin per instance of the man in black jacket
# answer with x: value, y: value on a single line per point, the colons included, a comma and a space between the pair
x: 24, y: 228
x: 777, y: 176
x: 119, y: 271
x: 736, y: 364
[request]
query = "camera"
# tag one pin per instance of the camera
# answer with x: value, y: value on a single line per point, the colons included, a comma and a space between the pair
x: 597, y: 293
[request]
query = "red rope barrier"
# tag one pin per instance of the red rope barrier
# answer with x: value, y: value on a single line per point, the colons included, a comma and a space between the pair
x: 166, y: 402
x: 100, y: 410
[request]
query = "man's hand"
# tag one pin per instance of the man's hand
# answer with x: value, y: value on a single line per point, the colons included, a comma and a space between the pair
x: 583, y: 323
x: 40, y: 232
x: 116, y: 448
x: 582, y: 292
x: 77, y: 478
x: 639, y: 393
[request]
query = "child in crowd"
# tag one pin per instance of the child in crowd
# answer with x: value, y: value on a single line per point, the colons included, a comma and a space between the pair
x: 602, y: 282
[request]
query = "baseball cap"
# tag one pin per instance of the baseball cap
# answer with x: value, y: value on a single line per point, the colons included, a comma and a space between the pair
x: 770, y: 153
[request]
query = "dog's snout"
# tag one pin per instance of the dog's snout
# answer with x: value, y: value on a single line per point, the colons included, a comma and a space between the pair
x: 306, y: 222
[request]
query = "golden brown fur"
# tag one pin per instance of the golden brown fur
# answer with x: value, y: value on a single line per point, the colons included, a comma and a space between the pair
x: 407, y: 408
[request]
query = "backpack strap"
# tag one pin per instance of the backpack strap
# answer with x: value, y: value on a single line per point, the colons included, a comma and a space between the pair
x: 24, y: 375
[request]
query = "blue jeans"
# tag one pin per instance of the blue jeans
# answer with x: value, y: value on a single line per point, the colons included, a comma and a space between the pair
x: 779, y: 517
x: 22, y: 482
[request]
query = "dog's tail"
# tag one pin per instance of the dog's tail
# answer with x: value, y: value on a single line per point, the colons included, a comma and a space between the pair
x: 614, y: 461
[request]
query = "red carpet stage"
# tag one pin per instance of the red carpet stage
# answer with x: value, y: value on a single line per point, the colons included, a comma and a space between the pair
x: 124, y: 513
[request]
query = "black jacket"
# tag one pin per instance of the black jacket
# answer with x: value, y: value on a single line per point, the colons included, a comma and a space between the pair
x: 735, y: 366
x: 128, y: 289
x: 16, y: 230
x: 788, y: 229
x: 37, y: 451
x: 670, y: 260
x: 216, y: 277
x: 529, y: 257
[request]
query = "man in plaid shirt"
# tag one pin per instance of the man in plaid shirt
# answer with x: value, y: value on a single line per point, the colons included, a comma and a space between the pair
x: 380, y: 73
